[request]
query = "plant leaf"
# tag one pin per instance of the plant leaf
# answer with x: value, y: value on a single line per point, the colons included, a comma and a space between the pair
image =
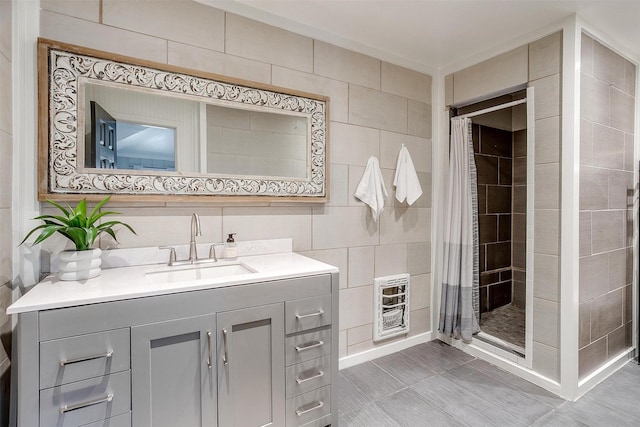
x: 81, y: 213
x: 64, y: 210
x: 47, y: 231
x: 97, y: 208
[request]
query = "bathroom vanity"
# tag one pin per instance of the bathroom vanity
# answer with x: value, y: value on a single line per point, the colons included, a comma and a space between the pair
x: 248, y: 343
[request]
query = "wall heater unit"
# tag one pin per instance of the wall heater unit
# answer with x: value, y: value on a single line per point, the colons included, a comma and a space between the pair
x: 391, y: 306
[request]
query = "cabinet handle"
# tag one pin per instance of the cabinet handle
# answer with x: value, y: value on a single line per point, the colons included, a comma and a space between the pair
x: 317, y: 313
x: 225, y: 356
x: 64, y: 409
x: 209, y: 344
x: 106, y: 355
x: 309, y: 346
x: 319, y: 405
x: 313, y: 377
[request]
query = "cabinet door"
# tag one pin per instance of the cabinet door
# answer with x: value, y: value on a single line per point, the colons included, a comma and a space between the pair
x: 251, y: 367
x: 173, y: 374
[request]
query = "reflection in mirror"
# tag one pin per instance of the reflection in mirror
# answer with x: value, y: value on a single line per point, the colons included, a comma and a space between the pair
x: 246, y: 142
x: 116, y: 125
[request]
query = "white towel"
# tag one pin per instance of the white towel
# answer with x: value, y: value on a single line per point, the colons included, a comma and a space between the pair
x: 406, y: 179
x: 371, y: 189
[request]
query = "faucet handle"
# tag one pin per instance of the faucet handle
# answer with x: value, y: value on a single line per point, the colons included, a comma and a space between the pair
x: 212, y: 251
x: 172, y: 254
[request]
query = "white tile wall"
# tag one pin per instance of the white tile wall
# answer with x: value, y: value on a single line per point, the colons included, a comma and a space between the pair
x: 102, y: 37
x: 345, y: 65
x: 261, y: 42
x: 211, y: 61
x: 181, y: 21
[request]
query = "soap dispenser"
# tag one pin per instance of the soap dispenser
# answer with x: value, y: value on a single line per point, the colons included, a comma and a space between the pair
x: 230, y: 248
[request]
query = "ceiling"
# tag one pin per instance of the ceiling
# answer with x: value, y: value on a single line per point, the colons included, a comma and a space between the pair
x: 427, y: 35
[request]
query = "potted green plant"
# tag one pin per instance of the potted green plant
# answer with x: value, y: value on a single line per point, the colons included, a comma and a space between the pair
x: 82, y: 229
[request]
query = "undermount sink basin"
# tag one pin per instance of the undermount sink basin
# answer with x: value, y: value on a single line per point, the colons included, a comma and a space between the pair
x: 197, y: 272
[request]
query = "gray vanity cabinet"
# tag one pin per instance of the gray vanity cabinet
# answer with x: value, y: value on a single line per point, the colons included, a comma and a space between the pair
x: 159, y: 361
x: 173, y: 376
x: 251, y: 367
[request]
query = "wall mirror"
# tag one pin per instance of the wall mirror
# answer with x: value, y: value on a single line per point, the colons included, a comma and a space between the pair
x: 144, y: 131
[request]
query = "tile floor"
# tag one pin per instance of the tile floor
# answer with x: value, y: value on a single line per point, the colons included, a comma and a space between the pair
x: 434, y: 384
x: 506, y: 322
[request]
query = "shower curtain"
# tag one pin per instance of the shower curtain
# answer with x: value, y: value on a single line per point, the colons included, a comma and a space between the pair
x: 460, y: 305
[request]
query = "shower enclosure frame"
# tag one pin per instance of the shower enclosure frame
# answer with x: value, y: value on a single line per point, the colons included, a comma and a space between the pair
x: 491, y: 344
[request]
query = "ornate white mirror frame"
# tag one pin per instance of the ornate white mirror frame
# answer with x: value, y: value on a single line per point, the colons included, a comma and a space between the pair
x: 64, y: 68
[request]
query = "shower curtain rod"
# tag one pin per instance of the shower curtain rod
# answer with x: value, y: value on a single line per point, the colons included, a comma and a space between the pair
x: 494, y: 108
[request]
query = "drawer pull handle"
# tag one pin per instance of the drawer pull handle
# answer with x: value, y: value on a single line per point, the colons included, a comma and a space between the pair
x: 309, y: 346
x: 64, y: 409
x: 209, y: 355
x: 319, y: 405
x: 313, y: 377
x: 303, y: 316
x: 225, y: 356
x: 107, y: 355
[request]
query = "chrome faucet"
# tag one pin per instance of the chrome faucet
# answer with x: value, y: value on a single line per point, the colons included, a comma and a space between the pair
x: 195, y: 231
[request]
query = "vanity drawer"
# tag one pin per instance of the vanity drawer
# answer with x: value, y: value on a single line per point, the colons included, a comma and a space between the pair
x: 307, y: 346
x: 87, y: 401
x: 85, y: 356
x: 307, y: 376
x: 307, y: 313
x: 308, y: 407
x: 123, y: 420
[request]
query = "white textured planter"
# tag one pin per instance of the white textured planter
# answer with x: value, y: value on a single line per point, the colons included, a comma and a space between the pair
x: 79, y: 265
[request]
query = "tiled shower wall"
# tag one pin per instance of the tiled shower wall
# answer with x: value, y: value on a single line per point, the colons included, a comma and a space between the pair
x: 493, y: 156
x: 606, y: 201
x: 6, y: 239
x: 519, y: 218
x: 375, y: 108
x: 537, y: 65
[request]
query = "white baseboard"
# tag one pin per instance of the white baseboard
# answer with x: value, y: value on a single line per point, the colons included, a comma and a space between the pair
x: 383, y: 350
x: 604, y: 372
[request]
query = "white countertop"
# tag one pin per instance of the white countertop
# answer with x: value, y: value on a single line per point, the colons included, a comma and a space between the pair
x: 132, y: 282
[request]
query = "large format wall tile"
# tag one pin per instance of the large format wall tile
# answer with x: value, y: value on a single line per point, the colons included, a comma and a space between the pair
x: 86, y: 9
x: 406, y: 83
x: 547, y: 140
x: 337, y: 91
x: 592, y: 357
x: 270, y: 223
x: 390, y: 259
x: 419, y: 119
x: 368, y: 107
x: 353, y: 145
x: 361, y: 266
x: 6, y: 28
x: 6, y: 168
x: 420, y: 289
x: 210, y: 61
x: 608, y: 147
x: 546, y: 360
x: 405, y: 225
x: 255, y: 40
x: 547, y: 232
x: 594, y: 276
x: 181, y: 21
x: 6, y: 114
x: 503, y: 71
x: 345, y: 65
x: 546, y: 322
x: 545, y: 56
x: 89, y: 34
x: 594, y: 100
x: 608, y: 66
x: 419, y: 150
x: 607, y: 230
x: 622, y: 110
x: 343, y: 227
x: 547, y: 96
x: 356, y: 307
x: 547, y: 275
x: 606, y: 314
x: 335, y: 257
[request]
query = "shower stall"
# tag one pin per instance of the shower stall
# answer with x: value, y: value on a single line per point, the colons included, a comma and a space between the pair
x: 499, y: 133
